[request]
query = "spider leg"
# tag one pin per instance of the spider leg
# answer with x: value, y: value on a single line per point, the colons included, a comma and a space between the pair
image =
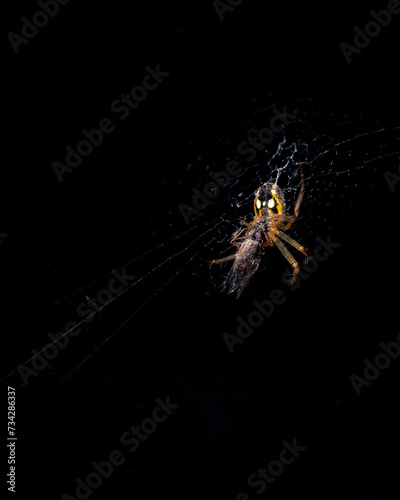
x: 283, y: 221
x: 301, y: 194
x: 291, y: 241
x: 248, y: 224
x: 238, y: 244
x: 230, y: 257
x: 232, y: 242
x: 289, y: 257
x: 268, y: 241
x: 219, y: 261
x: 285, y: 227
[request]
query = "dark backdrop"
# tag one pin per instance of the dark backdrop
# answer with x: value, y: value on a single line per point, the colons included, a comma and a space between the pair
x: 290, y: 379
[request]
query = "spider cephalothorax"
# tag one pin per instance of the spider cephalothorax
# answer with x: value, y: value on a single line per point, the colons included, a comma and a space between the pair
x: 266, y: 229
x: 269, y: 199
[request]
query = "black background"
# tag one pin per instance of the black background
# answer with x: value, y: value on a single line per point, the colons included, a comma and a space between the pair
x: 291, y: 378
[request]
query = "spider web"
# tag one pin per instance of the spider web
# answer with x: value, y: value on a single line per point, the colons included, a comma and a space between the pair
x: 343, y: 156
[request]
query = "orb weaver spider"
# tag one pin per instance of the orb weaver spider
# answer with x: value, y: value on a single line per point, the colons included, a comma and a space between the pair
x: 265, y: 230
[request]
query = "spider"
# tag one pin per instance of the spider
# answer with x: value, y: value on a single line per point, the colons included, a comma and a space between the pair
x: 265, y: 230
